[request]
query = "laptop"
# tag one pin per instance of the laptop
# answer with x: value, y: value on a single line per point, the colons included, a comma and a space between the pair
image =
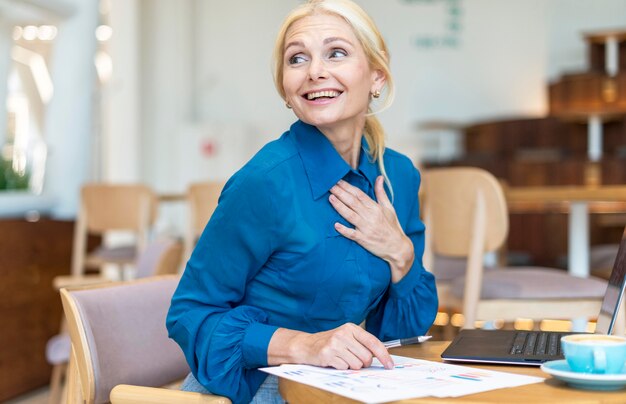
x: 535, y: 347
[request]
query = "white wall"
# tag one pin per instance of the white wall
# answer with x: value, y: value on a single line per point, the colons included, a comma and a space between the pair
x: 167, y: 64
x: 121, y: 104
x: 498, y: 68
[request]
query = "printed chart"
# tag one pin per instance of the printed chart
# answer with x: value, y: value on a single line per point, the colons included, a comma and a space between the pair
x: 410, y: 378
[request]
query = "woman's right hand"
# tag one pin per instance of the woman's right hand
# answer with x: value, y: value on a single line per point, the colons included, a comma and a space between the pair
x: 346, y: 347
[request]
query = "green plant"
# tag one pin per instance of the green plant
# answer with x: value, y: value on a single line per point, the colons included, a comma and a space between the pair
x: 9, y: 178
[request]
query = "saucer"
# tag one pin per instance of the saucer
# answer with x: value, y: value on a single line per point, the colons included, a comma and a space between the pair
x: 588, y: 381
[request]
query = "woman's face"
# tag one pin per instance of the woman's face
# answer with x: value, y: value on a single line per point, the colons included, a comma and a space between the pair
x: 326, y: 75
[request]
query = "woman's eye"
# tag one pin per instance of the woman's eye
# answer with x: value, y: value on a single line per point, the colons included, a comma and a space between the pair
x: 296, y: 59
x: 338, y: 53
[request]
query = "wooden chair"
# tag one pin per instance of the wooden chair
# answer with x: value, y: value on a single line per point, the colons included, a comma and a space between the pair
x: 161, y: 256
x: 466, y: 216
x: 120, y: 349
x: 202, y: 200
x: 106, y: 207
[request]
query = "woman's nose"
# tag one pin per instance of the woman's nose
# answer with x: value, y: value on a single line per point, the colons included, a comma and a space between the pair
x: 317, y: 69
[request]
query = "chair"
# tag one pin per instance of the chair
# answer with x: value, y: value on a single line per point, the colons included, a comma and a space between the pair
x: 120, y: 349
x: 202, y: 198
x: 106, y: 207
x: 162, y: 256
x: 466, y: 216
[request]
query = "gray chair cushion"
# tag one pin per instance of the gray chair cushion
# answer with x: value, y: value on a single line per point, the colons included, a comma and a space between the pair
x: 128, y: 341
x: 447, y: 268
x: 533, y: 283
x: 119, y: 254
x: 149, y: 259
x: 58, y: 349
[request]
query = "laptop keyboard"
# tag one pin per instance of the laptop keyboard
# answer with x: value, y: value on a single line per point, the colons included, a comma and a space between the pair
x: 536, y: 343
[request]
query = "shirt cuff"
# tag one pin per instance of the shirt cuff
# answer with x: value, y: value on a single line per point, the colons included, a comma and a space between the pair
x: 255, y: 343
x: 407, y: 283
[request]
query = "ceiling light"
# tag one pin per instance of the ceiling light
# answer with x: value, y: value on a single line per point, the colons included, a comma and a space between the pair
x: 104, y: 33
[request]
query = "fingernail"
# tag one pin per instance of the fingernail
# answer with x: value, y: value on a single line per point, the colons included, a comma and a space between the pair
x: 389, y: 365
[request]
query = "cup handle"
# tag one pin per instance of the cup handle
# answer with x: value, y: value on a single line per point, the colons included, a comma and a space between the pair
x: 599, y: 360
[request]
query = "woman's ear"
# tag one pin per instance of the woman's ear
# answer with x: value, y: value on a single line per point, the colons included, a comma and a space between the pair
x: 378, y: 80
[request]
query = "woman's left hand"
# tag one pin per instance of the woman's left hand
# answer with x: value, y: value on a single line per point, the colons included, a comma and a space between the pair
x: 376, y: 225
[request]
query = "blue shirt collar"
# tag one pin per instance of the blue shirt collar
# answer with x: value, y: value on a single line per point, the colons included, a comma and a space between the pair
x: 323, y: 165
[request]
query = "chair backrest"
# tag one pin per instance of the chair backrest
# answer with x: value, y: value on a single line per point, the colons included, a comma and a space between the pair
x: 118, y: 336
x: 160, y: 257
x: 107, y: 207
x: 118, y: 207
x: 453, y: 199
x: 202, y: 198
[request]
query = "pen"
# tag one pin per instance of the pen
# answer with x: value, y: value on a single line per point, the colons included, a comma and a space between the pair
x: 406, y: 341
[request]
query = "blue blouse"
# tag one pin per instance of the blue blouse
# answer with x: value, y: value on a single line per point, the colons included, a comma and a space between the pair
x: 270, y: 257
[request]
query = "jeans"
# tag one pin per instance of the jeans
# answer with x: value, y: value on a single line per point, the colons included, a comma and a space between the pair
x: 267, y: 393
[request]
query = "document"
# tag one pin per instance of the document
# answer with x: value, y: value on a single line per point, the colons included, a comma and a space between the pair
x: 410, y: 378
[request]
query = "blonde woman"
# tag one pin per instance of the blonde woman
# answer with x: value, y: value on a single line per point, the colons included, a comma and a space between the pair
x: 318, y: 233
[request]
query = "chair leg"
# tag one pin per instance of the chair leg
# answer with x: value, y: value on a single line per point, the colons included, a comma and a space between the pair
x: 64, y: 391
x: 58, y: 379
x: 57, y: 383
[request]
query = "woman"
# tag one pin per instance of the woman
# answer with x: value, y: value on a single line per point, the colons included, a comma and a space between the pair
x: 306, y: 242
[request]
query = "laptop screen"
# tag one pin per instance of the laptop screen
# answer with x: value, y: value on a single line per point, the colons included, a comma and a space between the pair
x: 613, y: 296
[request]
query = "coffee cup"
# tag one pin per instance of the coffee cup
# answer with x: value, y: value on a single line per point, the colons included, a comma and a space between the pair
x: 594, y: 353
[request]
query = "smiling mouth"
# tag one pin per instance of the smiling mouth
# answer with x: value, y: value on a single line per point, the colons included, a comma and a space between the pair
x: 327, y: 94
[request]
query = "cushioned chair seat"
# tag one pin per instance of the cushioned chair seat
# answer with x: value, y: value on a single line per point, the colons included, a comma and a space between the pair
x: 448, y: 269
x: 115, y: 255
x: 533, y: 283
x: 58, y: 349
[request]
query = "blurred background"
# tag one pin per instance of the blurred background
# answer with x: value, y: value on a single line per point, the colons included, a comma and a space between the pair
x: 166, y: 93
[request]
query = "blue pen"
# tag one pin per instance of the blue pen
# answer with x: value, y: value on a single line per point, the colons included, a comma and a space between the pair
x: 406, y: 341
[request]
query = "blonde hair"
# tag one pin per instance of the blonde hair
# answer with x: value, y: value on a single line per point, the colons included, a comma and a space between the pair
x: 376, y: 52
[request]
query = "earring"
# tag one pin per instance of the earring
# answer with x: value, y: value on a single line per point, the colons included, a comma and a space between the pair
x: 288, y: 105
x: 376, y: 94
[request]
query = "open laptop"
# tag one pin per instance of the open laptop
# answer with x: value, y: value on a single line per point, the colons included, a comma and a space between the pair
x: 536, y: 347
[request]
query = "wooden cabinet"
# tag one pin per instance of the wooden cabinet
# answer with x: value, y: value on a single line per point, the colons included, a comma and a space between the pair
x: 544, y: 151
x: 31, y: 255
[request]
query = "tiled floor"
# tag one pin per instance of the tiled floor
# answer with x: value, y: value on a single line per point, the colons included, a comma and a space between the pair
x: 39, y: 396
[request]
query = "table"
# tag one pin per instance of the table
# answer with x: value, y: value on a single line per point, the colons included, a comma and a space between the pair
x: 550, y: 391
x: 578, y: 198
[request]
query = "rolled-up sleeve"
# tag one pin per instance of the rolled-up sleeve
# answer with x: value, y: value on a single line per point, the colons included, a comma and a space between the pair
x: 409, y: 306
x: 224, y: 341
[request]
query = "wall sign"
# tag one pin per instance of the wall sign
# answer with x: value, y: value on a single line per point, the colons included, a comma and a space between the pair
x: 450, y: 34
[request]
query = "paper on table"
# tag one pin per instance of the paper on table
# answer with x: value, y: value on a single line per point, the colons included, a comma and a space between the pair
x: 410, y: 378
